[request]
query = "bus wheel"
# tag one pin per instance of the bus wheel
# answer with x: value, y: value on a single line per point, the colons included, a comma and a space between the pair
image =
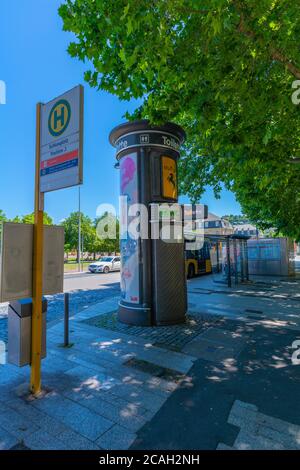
x: 191, y: 271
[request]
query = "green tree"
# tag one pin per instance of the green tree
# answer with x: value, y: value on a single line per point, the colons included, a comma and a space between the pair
x: 29, y: 219
x: 17, y: 219
x: 2, y: 216
x: 110, y: 245
x: 71, y: 226
x: 68, y: 249
x: 224, y: 70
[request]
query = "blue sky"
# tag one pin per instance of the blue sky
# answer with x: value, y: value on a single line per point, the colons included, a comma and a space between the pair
x: 36, y: 67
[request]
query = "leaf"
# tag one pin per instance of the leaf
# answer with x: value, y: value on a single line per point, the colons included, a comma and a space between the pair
x: 267, y: 137
x: 122, y: 55
x: 125, y: 11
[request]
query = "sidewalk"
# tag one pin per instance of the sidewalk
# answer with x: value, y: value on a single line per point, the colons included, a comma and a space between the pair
x: 246, y: 398
x: 224, y: 379
x: 244, y: 390
x: 93, y: 400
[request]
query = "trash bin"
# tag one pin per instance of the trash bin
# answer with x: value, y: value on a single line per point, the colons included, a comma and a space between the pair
x: 19, y: 331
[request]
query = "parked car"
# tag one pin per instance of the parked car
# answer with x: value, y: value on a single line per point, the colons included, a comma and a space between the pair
x: 106, y: 264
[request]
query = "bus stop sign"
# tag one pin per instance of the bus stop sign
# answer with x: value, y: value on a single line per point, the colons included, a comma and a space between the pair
x: 62, y: 141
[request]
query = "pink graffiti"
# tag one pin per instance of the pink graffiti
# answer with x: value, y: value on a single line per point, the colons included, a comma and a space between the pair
x: 128, y: 171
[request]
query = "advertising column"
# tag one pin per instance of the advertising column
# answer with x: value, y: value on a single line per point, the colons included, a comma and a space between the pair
x: 147, y: 157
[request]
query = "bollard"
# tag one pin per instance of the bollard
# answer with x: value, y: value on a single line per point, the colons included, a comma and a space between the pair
x: 66, y: 322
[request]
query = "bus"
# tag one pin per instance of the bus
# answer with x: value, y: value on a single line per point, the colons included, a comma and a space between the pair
x: 198, y: 261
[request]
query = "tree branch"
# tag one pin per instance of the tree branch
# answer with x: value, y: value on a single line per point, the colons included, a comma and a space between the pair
x: 277, y: 55
x: 274, y: 53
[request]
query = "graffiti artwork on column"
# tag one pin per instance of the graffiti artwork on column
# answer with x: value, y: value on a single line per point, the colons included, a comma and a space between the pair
x: 129, y: 246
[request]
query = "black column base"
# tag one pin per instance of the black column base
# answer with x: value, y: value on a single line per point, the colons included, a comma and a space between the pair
x: 137, y: 316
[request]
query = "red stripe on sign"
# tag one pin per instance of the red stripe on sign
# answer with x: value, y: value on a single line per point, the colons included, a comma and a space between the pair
x: 60, y: 159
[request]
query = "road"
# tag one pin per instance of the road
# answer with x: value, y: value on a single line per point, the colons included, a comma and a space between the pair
x: 86, y: 280
x: 85, y: 290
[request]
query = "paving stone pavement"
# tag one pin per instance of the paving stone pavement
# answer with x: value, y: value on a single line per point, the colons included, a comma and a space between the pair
x: 259, y: 431
x: 79, y: 300
x: 272, y: 301
x: 173, y: 337
x: 92, y: 399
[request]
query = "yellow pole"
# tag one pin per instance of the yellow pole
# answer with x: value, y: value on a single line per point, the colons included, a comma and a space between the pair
x: 37, y: 287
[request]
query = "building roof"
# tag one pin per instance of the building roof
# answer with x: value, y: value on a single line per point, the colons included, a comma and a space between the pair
x: 212, y: 216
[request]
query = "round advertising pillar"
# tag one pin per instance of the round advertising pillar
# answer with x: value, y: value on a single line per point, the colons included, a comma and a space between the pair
x: 147, y: 158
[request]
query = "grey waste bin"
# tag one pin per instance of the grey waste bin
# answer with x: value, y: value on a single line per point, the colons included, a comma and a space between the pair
x: 19, y: 331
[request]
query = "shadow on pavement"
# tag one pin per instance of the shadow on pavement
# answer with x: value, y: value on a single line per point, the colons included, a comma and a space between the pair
x: 195, y: 416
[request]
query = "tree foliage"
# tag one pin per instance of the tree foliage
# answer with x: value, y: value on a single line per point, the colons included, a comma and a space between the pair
x: 90, y: 241
x: 29, y: 219
x: 108, y: 244
x: 71, y: 226
x: 223, y: 69
x: 2, y: 216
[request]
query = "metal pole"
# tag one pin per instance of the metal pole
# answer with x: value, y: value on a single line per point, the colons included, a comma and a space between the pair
x: 37, y: 288
x: 218, y: 257
x: 236, y: 274
x: 66, y: 319
x: 79, y: 230
x: 246, y: 261
x: 82, y: 251
x: 228, y: 261
x: 242, y: 249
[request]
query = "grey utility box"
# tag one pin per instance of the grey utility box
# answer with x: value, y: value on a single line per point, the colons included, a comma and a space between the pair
x: 19, y: 332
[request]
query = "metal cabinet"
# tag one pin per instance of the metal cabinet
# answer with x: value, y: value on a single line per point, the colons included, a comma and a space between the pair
x: 19, y: 331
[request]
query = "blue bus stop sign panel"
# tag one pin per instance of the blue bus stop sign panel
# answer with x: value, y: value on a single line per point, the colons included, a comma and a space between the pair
x: 62, y: 141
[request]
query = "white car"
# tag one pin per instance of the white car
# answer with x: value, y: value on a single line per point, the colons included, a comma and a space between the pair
x: 106, y: 264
